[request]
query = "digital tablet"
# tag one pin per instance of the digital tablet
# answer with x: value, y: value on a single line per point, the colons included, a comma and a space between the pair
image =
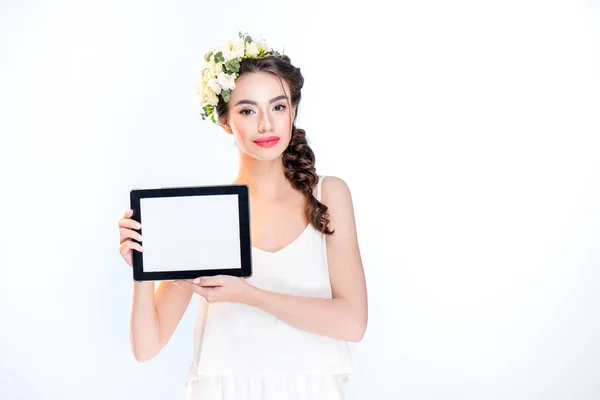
x: 192, y: 231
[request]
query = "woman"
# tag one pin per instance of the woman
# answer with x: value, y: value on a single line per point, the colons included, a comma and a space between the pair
x: 306, y: 303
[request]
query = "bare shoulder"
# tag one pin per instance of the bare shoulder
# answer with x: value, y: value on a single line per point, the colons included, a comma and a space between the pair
x: 335, y: 194
x: 334, y: 189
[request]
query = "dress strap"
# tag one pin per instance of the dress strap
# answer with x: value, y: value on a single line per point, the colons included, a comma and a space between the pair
x: 319, y: 187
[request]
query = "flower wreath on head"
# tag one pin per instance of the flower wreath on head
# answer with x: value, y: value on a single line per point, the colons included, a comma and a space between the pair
x: 222, y: 68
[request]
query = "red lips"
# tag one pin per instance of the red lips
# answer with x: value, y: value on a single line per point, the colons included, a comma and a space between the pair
x: 267, y: 142
x: 267, y: 139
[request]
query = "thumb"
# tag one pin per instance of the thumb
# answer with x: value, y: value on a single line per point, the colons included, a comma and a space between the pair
x: 209, y: 281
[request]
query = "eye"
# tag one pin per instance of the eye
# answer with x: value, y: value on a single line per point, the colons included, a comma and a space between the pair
x: 248, y: 111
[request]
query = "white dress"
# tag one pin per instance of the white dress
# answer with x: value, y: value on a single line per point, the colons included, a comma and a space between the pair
x: 244, y: 353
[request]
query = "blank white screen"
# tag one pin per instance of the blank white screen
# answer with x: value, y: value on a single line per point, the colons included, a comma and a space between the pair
x: 190, y: 233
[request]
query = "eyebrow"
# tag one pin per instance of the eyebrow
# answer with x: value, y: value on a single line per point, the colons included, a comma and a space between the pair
x: 274, y: 99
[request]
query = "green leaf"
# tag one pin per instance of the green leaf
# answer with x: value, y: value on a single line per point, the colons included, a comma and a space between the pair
x: 233, y: 65
x: 207, y: 56
x: 226, y: 95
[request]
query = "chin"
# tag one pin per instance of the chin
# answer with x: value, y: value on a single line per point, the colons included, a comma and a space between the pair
x: 265, y: 156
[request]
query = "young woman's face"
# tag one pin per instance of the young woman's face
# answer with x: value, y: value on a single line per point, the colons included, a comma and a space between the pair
x: 259, y: 110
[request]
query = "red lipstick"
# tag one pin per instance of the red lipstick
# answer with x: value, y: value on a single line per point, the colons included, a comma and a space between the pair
x: 267, y: 141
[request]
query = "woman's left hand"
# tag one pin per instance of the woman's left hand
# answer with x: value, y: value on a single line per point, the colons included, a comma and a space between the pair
x: 220, y: 288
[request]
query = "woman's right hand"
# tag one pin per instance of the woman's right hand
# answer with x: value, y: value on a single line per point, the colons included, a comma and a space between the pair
x: 127, y: 229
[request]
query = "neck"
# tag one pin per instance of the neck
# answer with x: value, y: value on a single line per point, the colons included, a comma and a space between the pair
x: 265, y: 179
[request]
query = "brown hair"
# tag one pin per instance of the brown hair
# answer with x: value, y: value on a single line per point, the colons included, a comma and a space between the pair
x: 298, y: 159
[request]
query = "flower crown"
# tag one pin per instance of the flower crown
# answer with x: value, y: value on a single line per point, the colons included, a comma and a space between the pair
x: 222, y: 68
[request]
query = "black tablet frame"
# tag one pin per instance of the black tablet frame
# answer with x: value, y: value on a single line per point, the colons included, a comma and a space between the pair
x: 244, y: 219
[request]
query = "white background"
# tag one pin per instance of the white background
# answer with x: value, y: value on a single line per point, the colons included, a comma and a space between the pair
x: 468, y: 132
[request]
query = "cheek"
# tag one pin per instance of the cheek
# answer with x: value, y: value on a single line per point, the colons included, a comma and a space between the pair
x: 283, y: 117
x: 242, y: 126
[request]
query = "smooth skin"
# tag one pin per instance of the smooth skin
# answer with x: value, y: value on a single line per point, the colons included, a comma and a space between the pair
x: 259, y: 108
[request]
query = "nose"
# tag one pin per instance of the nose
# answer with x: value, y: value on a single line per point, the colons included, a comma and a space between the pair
x: 264, y: 122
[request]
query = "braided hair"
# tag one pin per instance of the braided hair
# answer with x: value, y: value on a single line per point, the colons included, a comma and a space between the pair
x: 298, y: 158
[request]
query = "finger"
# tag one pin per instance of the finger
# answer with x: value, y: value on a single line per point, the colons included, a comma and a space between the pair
x: 128, y: 244
x: 203, y: 281
x: 206, y: 292
x: 125, y: 234
x: 218, y: 280
x: 128, y: 213
x: 209, y: 280
x: 129, y: 223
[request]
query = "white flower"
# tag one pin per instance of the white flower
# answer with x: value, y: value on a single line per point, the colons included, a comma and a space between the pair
x: 238, y: 48
x: 223, y: 48
x: 252, y: 49
x: 200, y: 92
x: 210, y: 96
x: 213, y: 83
x: 205, y: 75
x: 215, y: 69
x: 226, y: 81
x: 229, y: 50
x: 261, y: 44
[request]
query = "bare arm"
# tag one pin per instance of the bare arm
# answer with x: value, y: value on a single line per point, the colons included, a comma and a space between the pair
x: 154, y: 316
x: 345, y: 315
